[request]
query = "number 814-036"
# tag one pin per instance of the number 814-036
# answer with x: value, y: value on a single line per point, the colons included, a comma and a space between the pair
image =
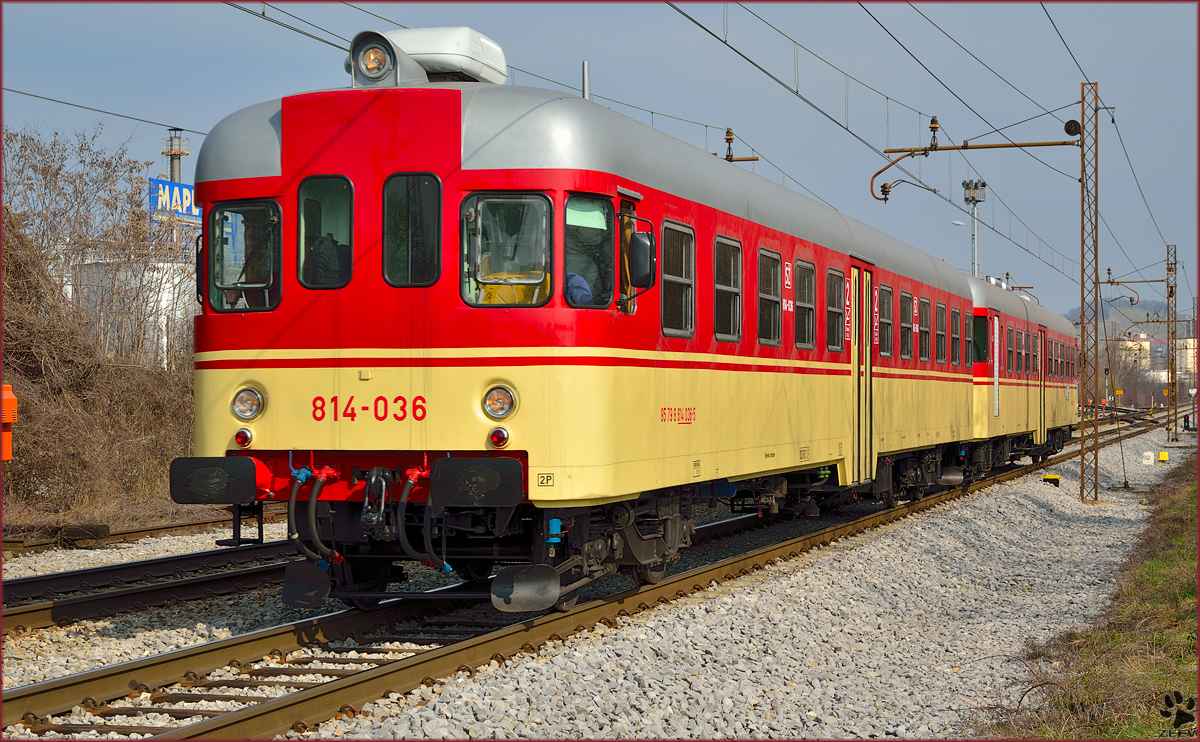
x: 397, y: 408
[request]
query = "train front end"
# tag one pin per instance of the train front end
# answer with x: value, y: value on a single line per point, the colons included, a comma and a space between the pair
x: 334, y: 370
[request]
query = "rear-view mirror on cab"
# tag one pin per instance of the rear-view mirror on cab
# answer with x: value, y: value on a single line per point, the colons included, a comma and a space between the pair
x: 643, y: 260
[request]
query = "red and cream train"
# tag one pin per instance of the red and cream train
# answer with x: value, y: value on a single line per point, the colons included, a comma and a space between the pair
x: 471, y: 324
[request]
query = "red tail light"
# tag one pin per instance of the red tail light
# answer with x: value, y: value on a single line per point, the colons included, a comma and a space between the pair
x: 499, y: 437
x: 243, y: 437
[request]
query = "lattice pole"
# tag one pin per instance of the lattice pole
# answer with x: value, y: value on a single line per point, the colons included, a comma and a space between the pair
x: 1172, y: 339
x: 1089, y: 295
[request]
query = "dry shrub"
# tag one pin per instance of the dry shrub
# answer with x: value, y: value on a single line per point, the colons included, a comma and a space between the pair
x: 99, y: 420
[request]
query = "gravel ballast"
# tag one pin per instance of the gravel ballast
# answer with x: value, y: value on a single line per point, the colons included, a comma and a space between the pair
x: 903, y: 631
x: 906, y: 631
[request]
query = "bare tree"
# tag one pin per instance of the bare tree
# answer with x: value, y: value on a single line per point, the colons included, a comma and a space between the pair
x: 96, y: 302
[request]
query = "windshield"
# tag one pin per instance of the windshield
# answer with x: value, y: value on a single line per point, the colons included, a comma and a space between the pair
x: 244, y: 256
x: 506, y: 249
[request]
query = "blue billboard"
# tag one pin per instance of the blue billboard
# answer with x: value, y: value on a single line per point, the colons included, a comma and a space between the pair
x: 170, y: 199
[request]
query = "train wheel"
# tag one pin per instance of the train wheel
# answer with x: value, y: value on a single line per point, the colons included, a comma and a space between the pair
x: 649, y: 574
x: 475, y: 573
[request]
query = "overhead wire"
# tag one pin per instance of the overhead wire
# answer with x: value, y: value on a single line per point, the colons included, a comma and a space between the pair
x: 1064, y: 42
x: 307, y: 23
x: 288, y: 27
x: 879, y: 152
x: 985, y: 66
x: 1113, y: 120
x: 637, y: 108
x: 956, y: 95
x: 107, y: 113
x: 1024, y: 121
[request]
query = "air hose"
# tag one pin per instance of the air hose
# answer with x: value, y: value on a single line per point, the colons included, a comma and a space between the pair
x: 433, y: 557
x: 293, y: 536
x: 326, y: 552
x: 405, y: 544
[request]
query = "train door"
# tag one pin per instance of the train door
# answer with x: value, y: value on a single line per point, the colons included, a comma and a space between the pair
x: 863, y: 313
x: 997, y: 361
x: 1040, y: 361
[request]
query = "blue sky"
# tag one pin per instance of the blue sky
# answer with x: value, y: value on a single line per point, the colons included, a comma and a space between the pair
x: 190, y: 64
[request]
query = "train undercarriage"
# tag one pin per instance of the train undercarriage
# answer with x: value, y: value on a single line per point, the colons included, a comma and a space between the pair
x: 475, y: 521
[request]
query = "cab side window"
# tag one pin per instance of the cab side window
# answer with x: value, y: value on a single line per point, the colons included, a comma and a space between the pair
x: 325, y: 232
x: 589, y: 240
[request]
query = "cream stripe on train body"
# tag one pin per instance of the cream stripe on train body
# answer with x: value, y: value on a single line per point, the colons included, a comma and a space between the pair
x: 604, y: 431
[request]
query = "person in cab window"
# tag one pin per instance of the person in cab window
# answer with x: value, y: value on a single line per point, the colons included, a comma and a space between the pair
x: 588, y: 252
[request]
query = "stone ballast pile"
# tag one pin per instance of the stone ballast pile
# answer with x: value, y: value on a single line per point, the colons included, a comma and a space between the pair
x: 910, y: 631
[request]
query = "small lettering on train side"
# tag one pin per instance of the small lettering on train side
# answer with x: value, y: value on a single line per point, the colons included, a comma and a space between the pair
x: 546, y: 479
x: 677, y: 415
x: 875, y: 321
x: 846, y: 316
x: 382, y: 408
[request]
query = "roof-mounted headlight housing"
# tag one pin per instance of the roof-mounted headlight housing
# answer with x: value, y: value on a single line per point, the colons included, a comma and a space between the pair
x: 375, y: 61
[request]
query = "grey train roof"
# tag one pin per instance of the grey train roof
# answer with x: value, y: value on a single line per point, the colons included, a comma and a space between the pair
x: 984, y: 294
x: 508, y: 127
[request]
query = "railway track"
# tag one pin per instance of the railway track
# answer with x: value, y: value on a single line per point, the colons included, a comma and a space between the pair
x: 90, y: 537
x: 323, y: 680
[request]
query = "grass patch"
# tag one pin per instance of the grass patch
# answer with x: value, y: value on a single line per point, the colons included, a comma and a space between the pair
x: 1109, y: 681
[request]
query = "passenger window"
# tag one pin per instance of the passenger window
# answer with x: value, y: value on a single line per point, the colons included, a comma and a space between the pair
x: 806, y: 305
x: 506, y: 249
x: 1027, y: 348
x: 325, y: 232
x: 588, y: 244
x: 940, y: 328
x: 954, y: 337
x: 1037, y: 355
x: 968, y: 339
x: 835, y: 310
x: 770, y: 318
x: 885, y: 321
x: 924, y: 327
x: 727, y: 290
x: 906, y: 326
x: 1009, y: 367
x: 244, y: 256
x: 1020, y: 350
x: 678, y: 276
x: 412, y: 208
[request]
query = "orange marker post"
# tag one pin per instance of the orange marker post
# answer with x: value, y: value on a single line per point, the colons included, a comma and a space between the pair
x: 8, y: 416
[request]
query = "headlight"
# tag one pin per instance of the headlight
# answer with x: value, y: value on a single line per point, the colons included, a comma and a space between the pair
x: 247, y: 403
x: 373, y: 61
x: 498, y: 402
